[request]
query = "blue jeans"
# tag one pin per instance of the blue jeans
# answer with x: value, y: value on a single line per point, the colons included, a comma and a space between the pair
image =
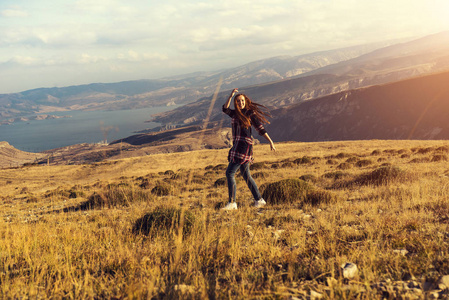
x: 232, y: 186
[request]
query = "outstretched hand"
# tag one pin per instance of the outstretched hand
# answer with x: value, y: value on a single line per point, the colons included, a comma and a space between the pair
x: 273, y: 148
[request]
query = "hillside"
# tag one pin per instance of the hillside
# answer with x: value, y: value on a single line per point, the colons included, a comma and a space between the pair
x: 12, y: 157
x: 149, y: 227
x: 409, y: 109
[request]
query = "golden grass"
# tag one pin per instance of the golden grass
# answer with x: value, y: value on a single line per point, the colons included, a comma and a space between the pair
x: 52, y: 245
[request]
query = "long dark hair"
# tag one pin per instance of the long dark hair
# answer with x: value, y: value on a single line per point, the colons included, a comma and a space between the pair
x: 259, y: 110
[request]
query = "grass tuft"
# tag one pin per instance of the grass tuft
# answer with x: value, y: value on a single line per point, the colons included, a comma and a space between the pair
x: 285, y: 191
x: 161, y: 190
x: 164, y: 220
x: 303, y: 160
x: 220, y: 182
x: 382, y: 176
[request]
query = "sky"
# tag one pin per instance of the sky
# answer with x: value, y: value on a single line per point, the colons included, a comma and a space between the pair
x: 48, y: 43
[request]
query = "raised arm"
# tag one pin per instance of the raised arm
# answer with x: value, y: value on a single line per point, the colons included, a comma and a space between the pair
x: 228, y: 102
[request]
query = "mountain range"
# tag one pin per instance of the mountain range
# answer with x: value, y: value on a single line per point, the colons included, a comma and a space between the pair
x: 388, y: 64
x: 173, y: 90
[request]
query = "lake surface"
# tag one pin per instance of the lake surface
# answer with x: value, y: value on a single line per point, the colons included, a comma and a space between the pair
x: 82, y: 127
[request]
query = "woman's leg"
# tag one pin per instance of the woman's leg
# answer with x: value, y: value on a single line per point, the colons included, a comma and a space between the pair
x: 244, y: 169
x: 230, y: 177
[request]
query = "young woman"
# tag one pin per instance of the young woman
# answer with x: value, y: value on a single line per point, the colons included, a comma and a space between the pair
x: 245, y: 114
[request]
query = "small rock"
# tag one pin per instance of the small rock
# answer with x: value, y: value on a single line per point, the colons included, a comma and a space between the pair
x: 307, y: 216
x: 350, y: 270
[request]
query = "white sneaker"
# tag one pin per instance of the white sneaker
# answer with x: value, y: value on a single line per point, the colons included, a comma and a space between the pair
x: 230, y: 206
x: 259, y: 203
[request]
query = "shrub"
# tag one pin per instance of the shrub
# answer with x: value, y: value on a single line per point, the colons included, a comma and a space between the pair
x: 420, y: 160
x: 145, y: 183
x: 335, y: 175
x: 213, y: 195
x: 113, y: 196
x: 390, y: 151
x: 198, y: 179
x: 342, y: 155
x: 303, y: 160
x: 288, y: 164
x: 59, y: 192
x: 220, y: 167
x: 177, y: 176
x: 331, y: 162
x: 375, y: 152
x: 383, y: 175
x: 258, y: 166
x: 31, y: 198
x: 308, y: 177
x: 259, y: 175
x: 161, y: 190
x: 344, y: 166
x: 363, y: 163
x: 442, y: 149
x: 285, y: 191
x: 163, y: 220
x: 75, y: 194
x: 169, y: 172
x: 96, y: 200
x: 316, y: 197
x: 439, y: 157
x: 220, y: 182
x: 424, y: 150
x: 352, y: 160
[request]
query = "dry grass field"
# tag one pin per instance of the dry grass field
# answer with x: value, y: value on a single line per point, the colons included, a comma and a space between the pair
x: 150, y: 227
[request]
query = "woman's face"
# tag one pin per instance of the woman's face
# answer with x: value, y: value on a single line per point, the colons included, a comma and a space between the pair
x: 240, y: 101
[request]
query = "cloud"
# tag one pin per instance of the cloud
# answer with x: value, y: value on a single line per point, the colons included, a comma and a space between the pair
x: 133, y: 56
x: 173, y: 36
x: 23, y: 60
x: 13, y: 13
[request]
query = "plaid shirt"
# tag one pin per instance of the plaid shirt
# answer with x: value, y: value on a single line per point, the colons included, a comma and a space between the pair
x: 242, y: 148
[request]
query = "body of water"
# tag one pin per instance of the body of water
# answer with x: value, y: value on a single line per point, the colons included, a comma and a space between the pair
x: 81, y: 127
